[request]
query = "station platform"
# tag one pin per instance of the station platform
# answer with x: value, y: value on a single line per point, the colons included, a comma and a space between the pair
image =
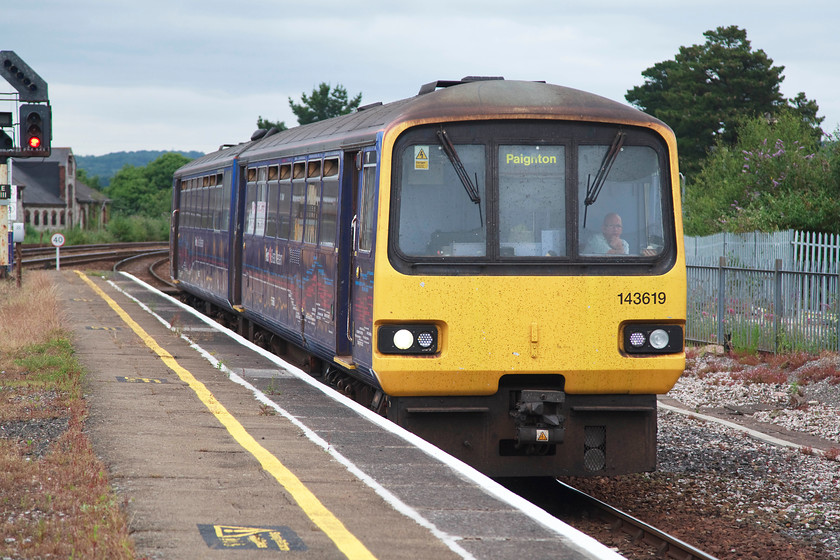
x: 218, y: 448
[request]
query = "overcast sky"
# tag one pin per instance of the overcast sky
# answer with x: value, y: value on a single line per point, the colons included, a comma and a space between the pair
x: 194, y: 74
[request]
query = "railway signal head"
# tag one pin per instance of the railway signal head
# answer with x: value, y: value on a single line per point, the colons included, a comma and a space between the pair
x: 29, y: 85
x: 35, y: 130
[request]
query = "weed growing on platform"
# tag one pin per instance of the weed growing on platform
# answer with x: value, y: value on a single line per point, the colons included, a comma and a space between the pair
x: 56, y: 501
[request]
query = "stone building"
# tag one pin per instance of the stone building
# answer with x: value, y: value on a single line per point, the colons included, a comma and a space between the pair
x: 52, y: 197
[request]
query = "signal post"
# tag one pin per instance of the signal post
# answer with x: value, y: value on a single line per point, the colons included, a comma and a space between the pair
x: 30, y: 136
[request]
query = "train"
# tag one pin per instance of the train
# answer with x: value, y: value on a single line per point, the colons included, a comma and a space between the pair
x: 495, y: 265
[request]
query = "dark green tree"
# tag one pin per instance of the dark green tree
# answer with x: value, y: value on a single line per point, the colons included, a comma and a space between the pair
x: 324, y: 103
x: 90, y: 180
x: 706, y: 89
x: 267, y: 124
x: 145, y: 190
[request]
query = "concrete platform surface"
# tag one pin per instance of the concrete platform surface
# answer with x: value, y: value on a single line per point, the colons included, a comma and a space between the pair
x: 224, y: 451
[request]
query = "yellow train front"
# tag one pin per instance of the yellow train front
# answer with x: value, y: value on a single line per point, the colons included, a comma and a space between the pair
x: 495, y: 265
x: 528, y: 286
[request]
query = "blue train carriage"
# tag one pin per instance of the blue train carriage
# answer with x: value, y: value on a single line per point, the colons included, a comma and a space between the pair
x: 500, y: 263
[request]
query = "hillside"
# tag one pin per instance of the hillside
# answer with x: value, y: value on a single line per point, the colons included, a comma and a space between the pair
x: 106, y: 166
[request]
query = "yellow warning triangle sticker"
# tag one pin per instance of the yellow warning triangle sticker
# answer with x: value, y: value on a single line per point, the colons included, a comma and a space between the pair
x: 421, y: 154
x: 542, y: 435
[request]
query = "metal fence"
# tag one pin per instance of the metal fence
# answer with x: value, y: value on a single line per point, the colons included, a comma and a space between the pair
x: 792, y: 304
x: 772, y: 310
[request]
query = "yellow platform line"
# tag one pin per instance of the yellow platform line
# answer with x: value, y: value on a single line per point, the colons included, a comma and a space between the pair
x: 346, y: 542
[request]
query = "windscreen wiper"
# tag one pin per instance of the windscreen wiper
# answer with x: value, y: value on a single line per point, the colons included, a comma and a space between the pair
x: 472, y: 190
x: 593, y: 188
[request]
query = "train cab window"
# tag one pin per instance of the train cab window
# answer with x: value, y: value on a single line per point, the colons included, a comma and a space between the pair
x: 620, y: 210
x: 532, y: 201
x: 438, y: 217
x: 550, y: 196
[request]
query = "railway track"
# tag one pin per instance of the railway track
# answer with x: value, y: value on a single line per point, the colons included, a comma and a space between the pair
x: 571, y: 505
x: 72, y: 255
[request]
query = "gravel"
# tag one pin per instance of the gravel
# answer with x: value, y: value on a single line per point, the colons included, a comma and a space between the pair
x: 726, y: 492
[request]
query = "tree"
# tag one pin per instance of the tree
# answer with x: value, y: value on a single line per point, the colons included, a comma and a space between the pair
x: 324, y: 103
x: 267, y: 124
x: 777, y: 176
x: 707, y: 88
x: 145, y: 190
x: 91, y: 181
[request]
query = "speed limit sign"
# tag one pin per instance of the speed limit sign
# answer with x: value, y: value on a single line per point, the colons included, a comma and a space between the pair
x: 57, y: 241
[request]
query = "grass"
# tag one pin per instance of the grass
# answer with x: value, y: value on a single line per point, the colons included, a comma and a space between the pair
x: 56, y: 503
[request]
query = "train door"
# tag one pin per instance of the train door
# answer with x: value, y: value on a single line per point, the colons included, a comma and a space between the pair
x: 237, y: 201
x: 173, y: 229
x: 360, y: 316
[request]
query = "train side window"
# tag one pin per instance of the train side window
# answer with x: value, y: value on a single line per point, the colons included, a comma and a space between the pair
x: 271, y: 212
x: 298, y: 201
x: 366, y: 214
x: 532, y: 201
x: 201, y: 205
x: 225, y: 203
x: 284, y: 199
x: 329, y: 212
x: 251, y: 202
x: 313, y: 209
x: 186, y: 202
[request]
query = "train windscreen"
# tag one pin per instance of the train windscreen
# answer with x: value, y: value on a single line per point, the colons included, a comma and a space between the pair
x: 541, y: 192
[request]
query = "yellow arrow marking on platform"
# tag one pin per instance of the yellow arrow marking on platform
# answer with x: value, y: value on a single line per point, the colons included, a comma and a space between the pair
x: 346, y: 542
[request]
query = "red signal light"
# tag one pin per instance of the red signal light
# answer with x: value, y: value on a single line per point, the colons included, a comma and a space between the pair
x: 34, y: 142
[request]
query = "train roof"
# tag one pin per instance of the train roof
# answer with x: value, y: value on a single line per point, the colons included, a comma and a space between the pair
x: 442, y: 100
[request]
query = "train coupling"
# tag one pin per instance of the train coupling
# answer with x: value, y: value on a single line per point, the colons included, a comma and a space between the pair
x: 538, y: 418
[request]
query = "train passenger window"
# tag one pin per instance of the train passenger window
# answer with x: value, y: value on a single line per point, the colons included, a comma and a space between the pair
x: 366, y: 213
x: 532, y: 201
x: 262, y: 207
x: 226, y: 185
x: 251, y: 203
x: 620, y: 213
x: 298, y: 206
x: 330, y: 167
x: 329, y: 213
x: 313, y: 169
x: 284, y: 199
x: 313, y: 207
x: 271, y: 210
x: 201, y: 206
x: 299, y: 170
x: 186, y: 206
x: 285, y: 171
x: 437, y: 216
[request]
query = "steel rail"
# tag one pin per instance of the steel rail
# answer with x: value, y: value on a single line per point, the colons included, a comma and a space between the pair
x: 667, y: 545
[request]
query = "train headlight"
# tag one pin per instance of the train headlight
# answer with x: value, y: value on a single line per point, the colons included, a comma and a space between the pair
x: 659, y: 339
x: 407, y: 339
x: 403, y: 339
x: 652, y: 339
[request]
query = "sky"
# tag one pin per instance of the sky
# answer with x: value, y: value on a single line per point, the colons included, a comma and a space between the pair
x: 195, y: 74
